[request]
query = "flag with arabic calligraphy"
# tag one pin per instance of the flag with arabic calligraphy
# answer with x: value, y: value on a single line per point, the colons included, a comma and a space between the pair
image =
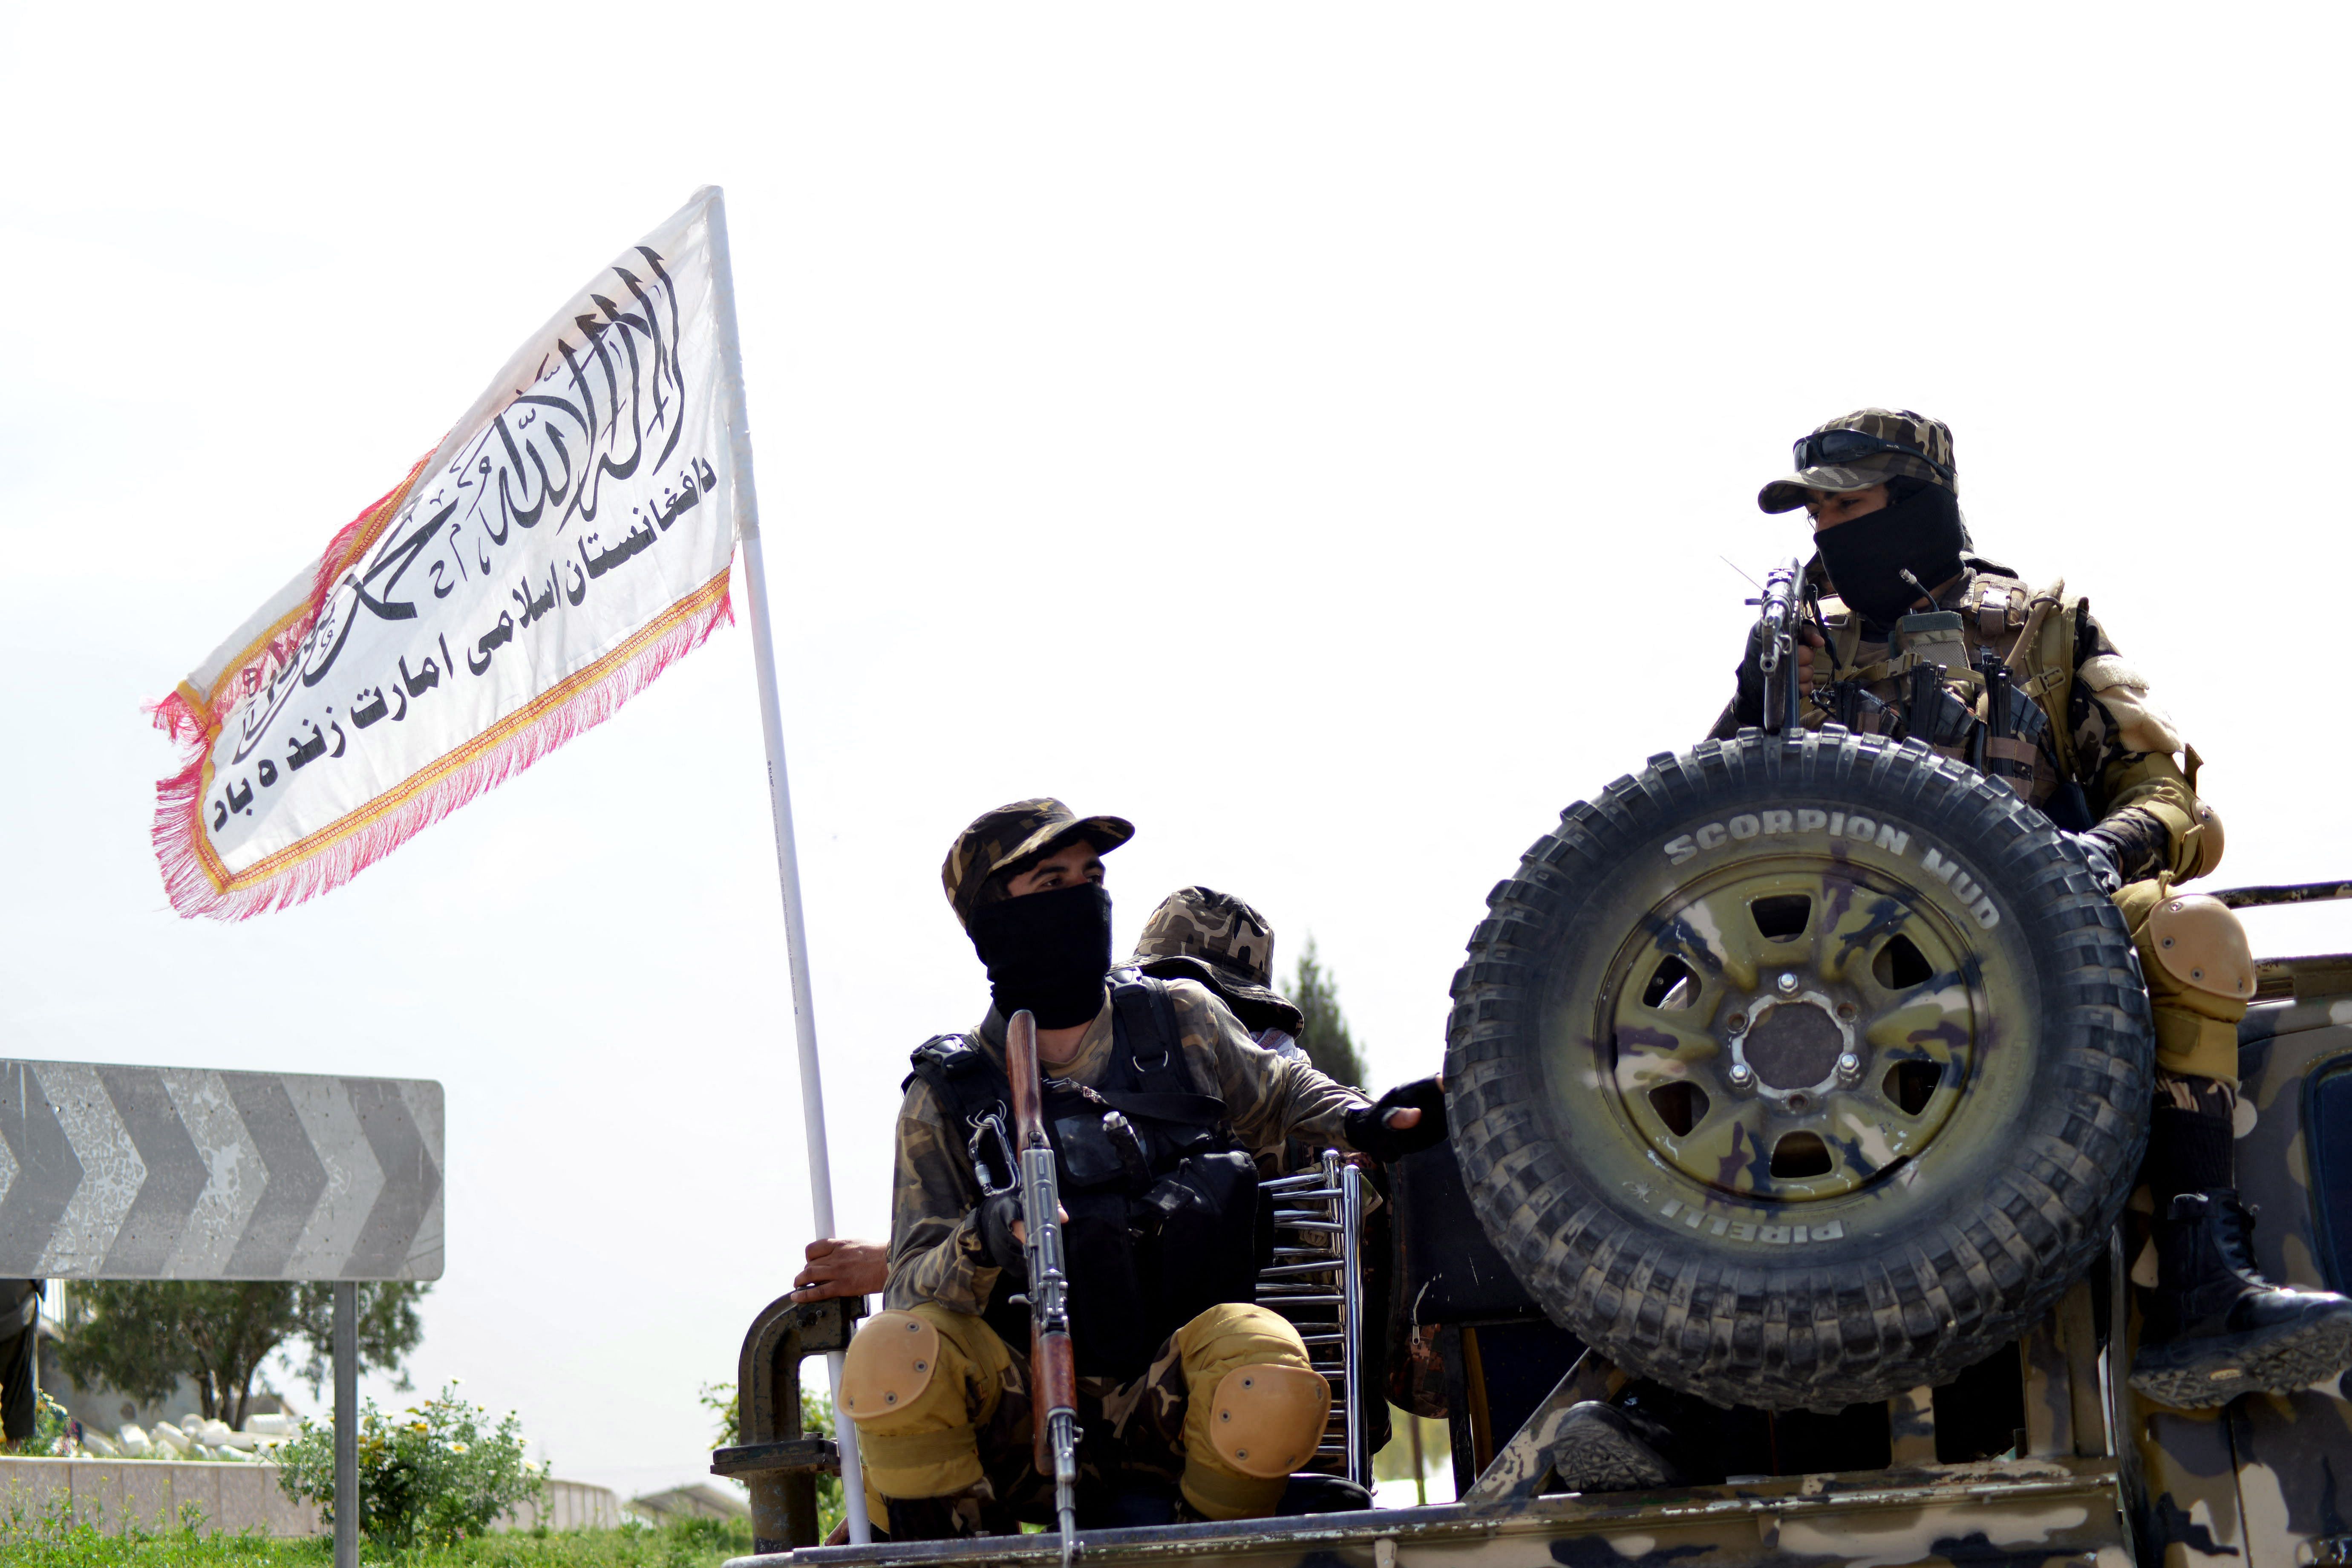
x: 568, y: 538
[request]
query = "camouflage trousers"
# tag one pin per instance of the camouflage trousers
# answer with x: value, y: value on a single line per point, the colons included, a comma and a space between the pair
x: 968, y: 1428
x: 2214, y: 1098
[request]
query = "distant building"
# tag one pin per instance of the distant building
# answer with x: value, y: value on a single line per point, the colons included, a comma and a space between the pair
x: 696, y: 1500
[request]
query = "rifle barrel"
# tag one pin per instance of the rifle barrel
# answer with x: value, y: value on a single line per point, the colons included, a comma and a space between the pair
x: 1780, y: 620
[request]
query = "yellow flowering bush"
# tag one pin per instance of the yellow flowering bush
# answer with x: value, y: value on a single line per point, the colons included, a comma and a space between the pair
x: 430, y: 1477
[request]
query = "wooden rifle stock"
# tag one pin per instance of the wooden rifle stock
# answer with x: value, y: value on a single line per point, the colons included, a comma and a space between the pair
x: 1057, y: 1388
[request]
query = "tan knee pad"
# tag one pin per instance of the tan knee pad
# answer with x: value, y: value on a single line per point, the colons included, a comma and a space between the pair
x: 916, y: 1382
x: 1266, y: 1420
x: 1255, y: 1409
x: 891, y: 1364
x: 2199, y: 970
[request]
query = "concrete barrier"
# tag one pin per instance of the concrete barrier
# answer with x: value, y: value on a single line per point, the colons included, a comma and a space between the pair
x: 152, y: 1493
x: 232, y: 1498
x: 571, y: 1505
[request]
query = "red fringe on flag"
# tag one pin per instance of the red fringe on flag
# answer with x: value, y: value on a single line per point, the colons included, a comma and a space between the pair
x: 198, y: 884
x: 179, y: 718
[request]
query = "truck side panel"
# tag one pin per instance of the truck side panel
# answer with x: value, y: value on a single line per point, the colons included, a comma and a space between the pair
x: 2258, y: 1482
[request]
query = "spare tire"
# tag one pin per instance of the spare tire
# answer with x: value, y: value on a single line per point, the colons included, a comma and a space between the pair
x: 1799, y: 1071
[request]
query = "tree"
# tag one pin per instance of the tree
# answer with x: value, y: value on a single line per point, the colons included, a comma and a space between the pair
x: 1324, y: 1036
x: 142, y: 1336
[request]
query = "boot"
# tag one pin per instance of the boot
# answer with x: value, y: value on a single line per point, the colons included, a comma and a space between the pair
x: 1645, y: 1435
x: 1308, y: 1493
x: 971, y: 1512
x: 2215, y: 1328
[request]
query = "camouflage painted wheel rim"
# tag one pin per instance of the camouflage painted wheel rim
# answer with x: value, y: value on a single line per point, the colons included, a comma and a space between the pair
x: 1791, y: 1032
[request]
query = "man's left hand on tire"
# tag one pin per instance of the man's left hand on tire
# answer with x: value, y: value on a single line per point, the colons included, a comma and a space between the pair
x: 1405, y: 1121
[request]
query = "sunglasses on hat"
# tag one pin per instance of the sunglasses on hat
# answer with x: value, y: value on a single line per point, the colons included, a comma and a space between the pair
x: 1835, y: 449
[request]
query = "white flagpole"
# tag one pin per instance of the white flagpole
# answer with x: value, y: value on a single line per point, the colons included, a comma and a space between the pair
x: 780, y: 797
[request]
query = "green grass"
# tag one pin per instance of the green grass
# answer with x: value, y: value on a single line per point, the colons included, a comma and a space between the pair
x: 54, y: 1541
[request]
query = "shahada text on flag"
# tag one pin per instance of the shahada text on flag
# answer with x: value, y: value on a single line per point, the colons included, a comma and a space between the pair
x: 569, y: 538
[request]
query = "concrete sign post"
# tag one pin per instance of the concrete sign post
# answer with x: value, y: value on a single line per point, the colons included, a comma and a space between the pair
x: 347, y: 1424
x: 131, y: 1172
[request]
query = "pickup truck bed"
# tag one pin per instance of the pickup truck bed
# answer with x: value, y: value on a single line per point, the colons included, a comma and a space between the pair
x: 2002, y: 1512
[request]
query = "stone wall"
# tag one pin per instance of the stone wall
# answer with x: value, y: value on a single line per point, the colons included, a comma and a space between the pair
x: 152, y: 1492
x: 233, y: 1497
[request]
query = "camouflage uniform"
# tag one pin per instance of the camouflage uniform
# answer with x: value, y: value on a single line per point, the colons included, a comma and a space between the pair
x: 2117, y: 744
x: 1199, y: 934
x: 960, y: 1442
x: 2059, y: 717
x: 2086, y: 742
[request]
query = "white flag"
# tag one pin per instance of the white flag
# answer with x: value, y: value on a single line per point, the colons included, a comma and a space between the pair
x: 567, y: 539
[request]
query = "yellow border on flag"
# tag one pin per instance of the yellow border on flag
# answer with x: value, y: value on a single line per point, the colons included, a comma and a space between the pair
x: 522, y: 719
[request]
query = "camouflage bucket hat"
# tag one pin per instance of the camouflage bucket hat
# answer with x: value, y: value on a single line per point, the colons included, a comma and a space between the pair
x: 1199, y: 934
x: 1025, y: 830
x: 1893, y: 444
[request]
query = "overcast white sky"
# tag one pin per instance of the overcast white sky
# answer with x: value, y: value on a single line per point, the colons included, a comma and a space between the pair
x: 1309, y: 431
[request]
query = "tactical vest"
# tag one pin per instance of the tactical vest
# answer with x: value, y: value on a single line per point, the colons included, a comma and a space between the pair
x: 1987, y: 679
x: 1165, y: 1214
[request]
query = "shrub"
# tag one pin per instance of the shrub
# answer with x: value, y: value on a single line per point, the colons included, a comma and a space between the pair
x: 51, y: 1425
x: 431, y: 1476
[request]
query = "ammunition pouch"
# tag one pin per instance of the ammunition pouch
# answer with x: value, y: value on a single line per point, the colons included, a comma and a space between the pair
x: 1990, y: 713
x: 1166, y: 1218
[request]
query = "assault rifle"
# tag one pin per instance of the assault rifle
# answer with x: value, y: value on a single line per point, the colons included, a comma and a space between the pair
x: 1053, y: 1363
x: 1777, y: 625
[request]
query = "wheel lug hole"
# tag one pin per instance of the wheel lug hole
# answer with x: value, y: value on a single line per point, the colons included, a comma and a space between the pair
x: 1847, y: 1012
x: 1737, y: 1022
x: 1801, y: 1103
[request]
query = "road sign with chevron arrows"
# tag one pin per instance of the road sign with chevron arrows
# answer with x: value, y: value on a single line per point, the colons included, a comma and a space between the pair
x: 131, y: 1172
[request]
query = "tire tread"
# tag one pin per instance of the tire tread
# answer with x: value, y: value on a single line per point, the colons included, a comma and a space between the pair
x: 1855, y: 1322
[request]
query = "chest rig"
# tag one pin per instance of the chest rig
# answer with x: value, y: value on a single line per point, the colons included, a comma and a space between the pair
x: 1985, y: 679
x: 1163, y: 1201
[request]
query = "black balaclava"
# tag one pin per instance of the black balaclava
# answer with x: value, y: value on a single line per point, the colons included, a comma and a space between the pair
x: 1918, y: 530
x: 1047, y: 952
